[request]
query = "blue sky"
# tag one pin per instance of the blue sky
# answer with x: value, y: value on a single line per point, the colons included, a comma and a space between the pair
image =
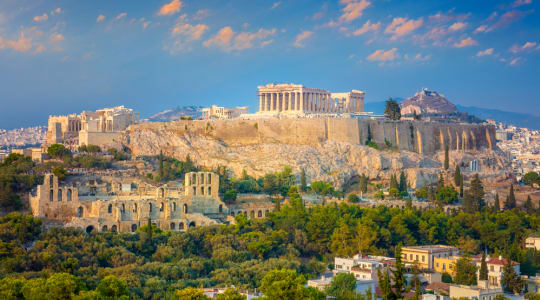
x: 58, y: 57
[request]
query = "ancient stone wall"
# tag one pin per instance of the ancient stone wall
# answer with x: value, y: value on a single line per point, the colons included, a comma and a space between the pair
x: 419, y: 137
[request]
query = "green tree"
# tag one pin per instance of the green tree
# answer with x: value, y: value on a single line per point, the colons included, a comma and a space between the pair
x: 465, y: 271
x: 230, y: 196
x: 529, y: 206
x: 342, y: 286
x: 497, y: 204
x: 457, y: 176
x: 58, y: 151
x: 283, y: 284
x: 483, y: 268
x: 62, y: 286
x: 363, y: 183
x: 531, y: 178
x: 392, y: 110
x: 230, y: 294
x: 303, y: 180
x: 510, y: 199
x: 511, y: 282
x: 477, y: 193
x: 402, y: 182
x: 352, y: 198
x: 446, y: 158
x: 60, y: 172
x: 394, y: 183
x: 190, y: 293
x: 461, y: 187
x: 110, y: 287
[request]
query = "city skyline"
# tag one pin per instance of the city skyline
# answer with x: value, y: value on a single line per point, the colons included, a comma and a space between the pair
x: 63, y: 57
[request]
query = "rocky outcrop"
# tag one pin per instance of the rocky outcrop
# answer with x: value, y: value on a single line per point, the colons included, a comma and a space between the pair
x: 328, y: 149
x: 427, y: 102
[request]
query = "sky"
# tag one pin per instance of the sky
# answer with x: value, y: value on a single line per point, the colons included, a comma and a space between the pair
x: 65, y: 56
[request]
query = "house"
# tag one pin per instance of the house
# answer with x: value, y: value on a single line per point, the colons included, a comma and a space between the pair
x: 532, y: 242
x: 483, y: 291
x: 425, y: 256
x: 495, y: 267
x: 445, y: 264
x: 362, y: 264
x: 437, y: 291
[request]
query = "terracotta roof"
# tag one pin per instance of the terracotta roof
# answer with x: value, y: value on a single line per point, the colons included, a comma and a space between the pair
x: 500, y: 261
x: 440, y: 287
x: 360, y: 270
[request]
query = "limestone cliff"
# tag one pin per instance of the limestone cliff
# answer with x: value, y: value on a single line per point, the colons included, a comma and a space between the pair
x: 329, y: 149
x: 427, y: 102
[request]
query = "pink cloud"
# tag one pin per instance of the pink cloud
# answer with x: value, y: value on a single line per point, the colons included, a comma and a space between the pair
x: 403, y: 26
x: 457, y: 26
x: 170, y: 8
x: 121, y: 16
x: 298, y: 42
x: 466, y: 43
x: 100, y: 18
x: 353, y: 9
x: 41, y: 18
x: 368, y: 26
x: 526, y: 46
x: 382, y: 55
x: 23, y: 44
x: 228, y: 39
x: 485, y: 52
x: 521, y: 2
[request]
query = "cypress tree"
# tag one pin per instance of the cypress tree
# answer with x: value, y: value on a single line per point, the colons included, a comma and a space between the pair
x: 363, y: 183
x: 510, y: 199
x: 457, y: 176
x: 303, y: 180
x: 483, y: 268
x: 497, y: 204
x: 393, y: 182
x: 461, y: 187
x: 402, y: 182
x: 160, y: 170
x: 468, y: 206
x: 477, y: 193
x: 440, y: 183
x: 446, y: 158
x: 529, y: 207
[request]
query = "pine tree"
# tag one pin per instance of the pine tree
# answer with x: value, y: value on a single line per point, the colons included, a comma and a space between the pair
x: 529, y: 207
x: 446, y: 158
x: 393, y: 182
x: 398, y: 278
x: 402, y: 182
x: 461, y: 187
x: 497, y: 204
x: 511, y: 282
x: 467, y: 205
x: 392, y: 110
x: 457, y: 176
x: 440, y: 183
x: 510, y: 199
x: 303, y: 180
x: 483, y: 268
x: 477, y: 193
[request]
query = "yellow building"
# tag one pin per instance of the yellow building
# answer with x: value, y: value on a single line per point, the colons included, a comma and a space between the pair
x: 445, y: 264
x: 425, y: 256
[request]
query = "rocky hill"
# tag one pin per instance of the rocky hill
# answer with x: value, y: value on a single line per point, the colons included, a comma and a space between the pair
x: 328, y: 149
x: 427, y: 102
x: 175, y: 113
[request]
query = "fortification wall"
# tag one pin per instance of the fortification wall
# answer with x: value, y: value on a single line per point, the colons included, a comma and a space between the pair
x: 419, y: 137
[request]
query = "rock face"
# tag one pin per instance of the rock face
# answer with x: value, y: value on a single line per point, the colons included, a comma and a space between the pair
x: 327, y: 151
x: 427, y: 102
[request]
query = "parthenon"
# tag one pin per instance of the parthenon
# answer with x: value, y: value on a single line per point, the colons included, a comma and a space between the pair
x: 298, y: 99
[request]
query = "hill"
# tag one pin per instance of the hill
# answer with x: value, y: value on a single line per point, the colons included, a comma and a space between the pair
x: 506, y: 117
x: 176, y: 113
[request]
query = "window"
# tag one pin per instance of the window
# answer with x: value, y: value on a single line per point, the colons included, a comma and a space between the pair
x: 209, y: 193
x: 174, y: 206
x: 51, y: 195
x: 185, y: 208
x: 423, y: 258
x: 411, y: 256
x: 150, y: 207
x: 259, y: 214
x: 416, y: 257
x: 69, y: 195
x: 135, y: 207
x: 202, y: 190
x: 194, y: 191
x: 80, y: 212
x: 133, y: 227
x: 172, y: 226
x: 161, y: 206
x: 491, y: 268
x: 181, y: 226
x: 59, y: 195
x: 109, y: 209
x: 209, y: 178
x: 220, y: 208
x: 123, y: 208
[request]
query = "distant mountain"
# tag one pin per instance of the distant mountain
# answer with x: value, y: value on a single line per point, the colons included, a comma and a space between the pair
x: 506, y: 117
x: 175, y: 113
x: 427, y: 102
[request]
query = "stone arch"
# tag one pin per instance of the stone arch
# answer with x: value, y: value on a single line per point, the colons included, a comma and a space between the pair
x: 202, y: 179
x: 113, y: 228
x: 135, y: 207
x: 192, y: 224
x: 69, y: 195
x: 259, y: 214
x: 59, y: 195
x: 161, y: 206
x: 173, y: 226
x: 104, y: 228
x: 123, y: 207
x: 133, y: 227
x: 162, y: 193
x: 202, y: 190
x: 51, y: 195
x: 220, y: 209
x: 252, y: 214
x: 185, y: 208
x: 209, y: 181
x: 109, y: 208
x: 89, y: 229
x: 193, y: 179
x: 181, y: 226
x: 209, y: 191
x: 80, y: 212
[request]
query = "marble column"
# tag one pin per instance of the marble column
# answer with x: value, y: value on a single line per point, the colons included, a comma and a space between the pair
x: 261, y: 102
x: 290, y: 107
x: 300, y: 104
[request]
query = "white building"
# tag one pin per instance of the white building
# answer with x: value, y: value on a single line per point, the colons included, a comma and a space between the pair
x: 483, y: 291
x: 532, y: 242
x: 220, y: 112
x: 358, y: 265
x: 495, y: 267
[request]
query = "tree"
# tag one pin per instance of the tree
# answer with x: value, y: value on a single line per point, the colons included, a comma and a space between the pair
x: 465, y: 271
x: 394, y: 287
x: 483, y: 268
x: 58, y: 151
x: 60, y: 172
x: 230, y: 196
x: 161, y: 170
x: 62, y: 286
x: 342, y: 286
x: 283, y: 284
x: 352, y: 198
x: 446, y: 158
x: 531, y: 178
x: 111, y: 287
x: 440, y: 182
x: 457, y: 176
x: 497, y: 204
x: 461, y: 187
x: 303, y: 180
x: 394, y: 183
x: 529, y: 206
x: 510, y: 199
x: 363, y: 183
x: 402, y: 182
x: 477, y: 193
x: 511, y: 282
x: 392, y: 110
x: 231, y: 294
x: 190, y: 293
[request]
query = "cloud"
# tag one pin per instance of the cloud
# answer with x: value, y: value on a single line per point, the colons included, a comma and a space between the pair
x: 486, y: 52
x: 368, y: 26
x: 515, y: 61
x: 526, y: 46
x: 466, y: 43
x: 383, y: 56
x: 191, y: 32
x: 40, y: 48
x: 41, y: 18
x: 301, y: 37
x: 183, y: 35
x: 457, y: 26
x: 201, y: 14
x: 23, y: 44
x: 171, y: 8
x: 317, y: 15
x: 57, y: 11
x: 353, y: 9
x: 56, y: 37
x: 121, y: 16
x: 100, y: 18
x: 275, y: 5
x: 521, y: 2
x: 403, y: 26
x: 482, y: 28
x: 145, y: 24
x: 227, y: 39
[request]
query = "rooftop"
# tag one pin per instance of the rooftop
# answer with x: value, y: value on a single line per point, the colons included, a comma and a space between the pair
x: 430, y: 248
